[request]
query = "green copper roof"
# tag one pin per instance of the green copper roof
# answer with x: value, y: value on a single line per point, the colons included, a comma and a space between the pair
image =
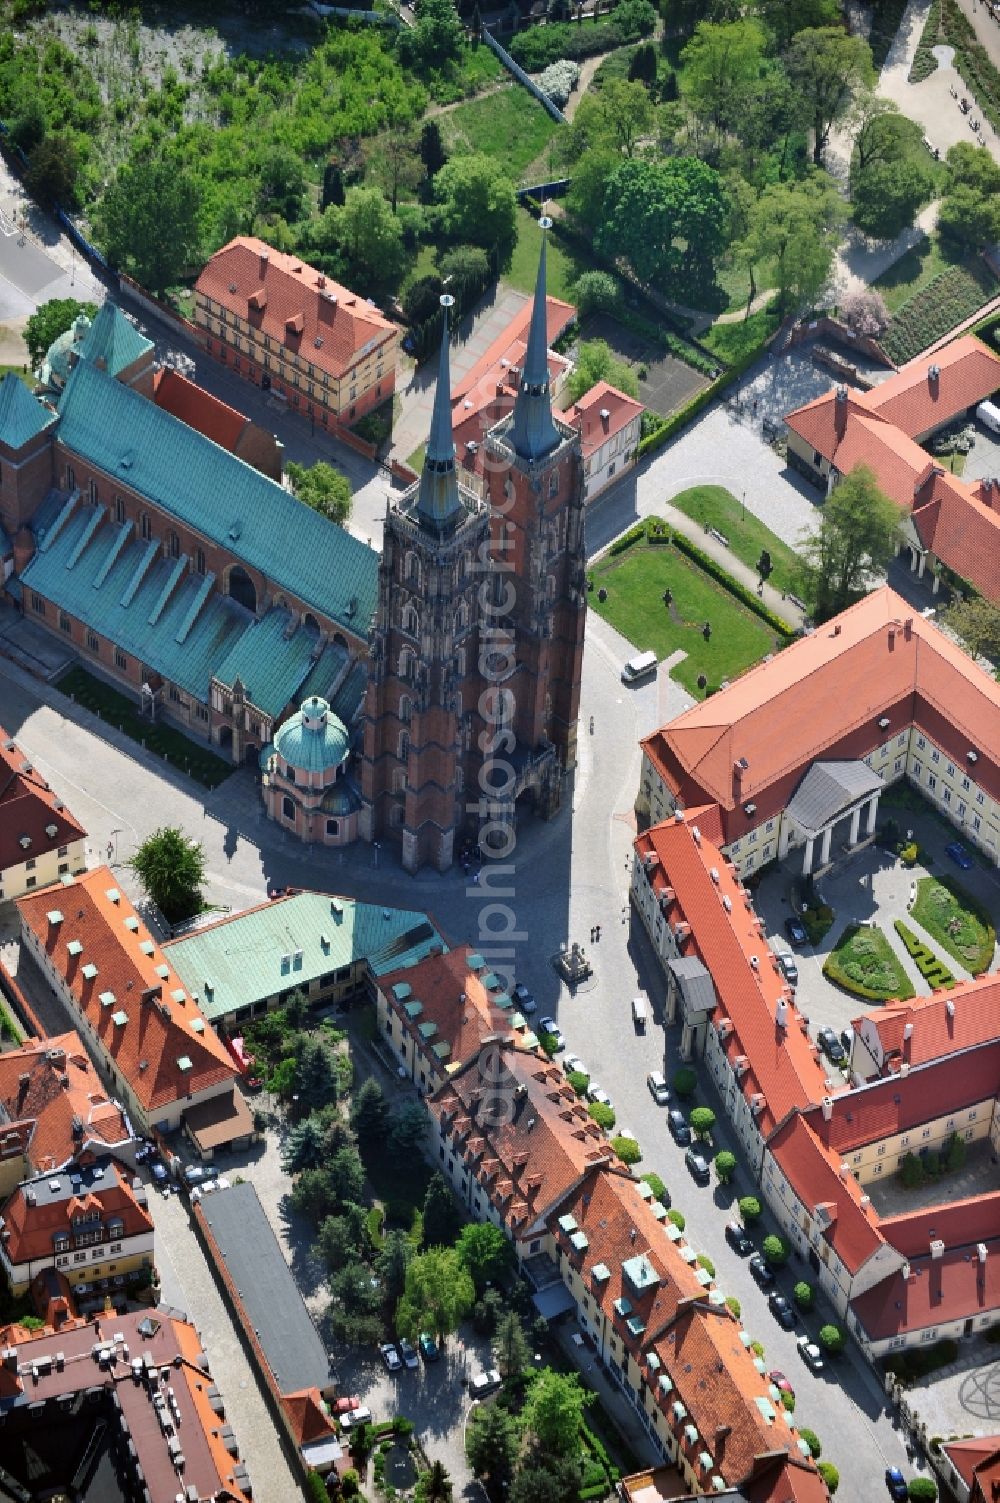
x: 219, y: 496
x: 313, y: 740
x: 271, y: 665
x: 57, y: 363
x: 22, y: 416
x: 241, y: 958
x: 113, y: 340
x: 350, y: 696
x: 532, y: 433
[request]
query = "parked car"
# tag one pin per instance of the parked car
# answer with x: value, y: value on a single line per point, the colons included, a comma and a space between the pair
x: 485, y: 1382
x: 143, y: 1152
x: 550, y: 1027
x: 781, y: 1383
x: 956, y: 852
x: 159, y: 1172
x: 390, y: 1356
x: 896, y: 1484
x: 783, y: 1310
x: 678, y: 1125
x: 523, y: 999
x: 573, y: 1065
x: 810, y: 1353
x: 831, y: 1045
x: 346, y: 1403
x: 408, y: 1352
x: 789, y: 969
x: 761, y: 1272
x: 598, y: 1093
x: 658, y: 1088
x: 429, y: 1349
x: 360, y: 1416
x: 847, y: 1039
x: 796, y: 931
x: 697, y: 1166
x: 738, y: 1240
x: 197, y: 1174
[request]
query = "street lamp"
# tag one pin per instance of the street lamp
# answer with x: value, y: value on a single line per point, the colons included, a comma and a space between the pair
x: 115, y: 834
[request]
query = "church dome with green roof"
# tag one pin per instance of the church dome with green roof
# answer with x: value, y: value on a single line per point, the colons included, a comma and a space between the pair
x: 314, y: 739
x: 56, y: 365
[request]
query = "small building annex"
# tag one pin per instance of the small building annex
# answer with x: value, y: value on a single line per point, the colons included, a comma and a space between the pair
x: 40, y: 840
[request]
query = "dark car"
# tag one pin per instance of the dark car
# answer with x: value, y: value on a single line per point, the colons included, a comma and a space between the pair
x: 895, y: 1484
x: 796, y: 931
x: 159, y: 1172
x: 956, y: 852
x: 429, y: 1349
x: 782, y: 1310
x: 789, y: 969
x: 831, y: 1046
x: 738, y: 1240
x: 760, y: 1271
x: 697, y: 1166
x: 679, y: 1130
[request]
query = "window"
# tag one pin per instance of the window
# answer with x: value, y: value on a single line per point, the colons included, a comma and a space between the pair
x: 980, y: 798
x: 333, y: 827
x: 288, y: 808
x: 946, y: 795
x: 961, y: 810
x: 817, y: 458
x: 79, y: 1257
x: 31, y: 881
x: 901, y: 740
x: 37, y: 604
x: 201, y: 712
x: 146, y: 527
x: 950, y: 769
x: 931, y: 781
x: 93, y: 642
x: 174, y: 694
x: 119, y: 509
x: 199, y: 561
x: 92, y: 491
x: 921, y: 743
x: 63, y: 867
x: 65, y: 624
x: 935, y: 756
x: 918, y: 769
x: 121, y: 661
x: 976, y: 822
x: 62, y: 851
x: 966, y: 784
x: 403, y: 750
x: 30, y: 864
x: 174, y: 545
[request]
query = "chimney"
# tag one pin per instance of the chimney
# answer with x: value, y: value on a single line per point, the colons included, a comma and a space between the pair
x: 827, y: 1104
x: 933, y: 375
x: 937, y: 1248
x: 781, y: 1013
x: 905, y: 1271
x: 840, y: 412
x: 321, y: 280
x: 265, y: 257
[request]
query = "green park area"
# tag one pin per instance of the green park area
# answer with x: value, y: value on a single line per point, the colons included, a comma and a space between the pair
x: 864, y: 963
x: 714, y: 506
x: 509, y: 115
x: 956, y: 922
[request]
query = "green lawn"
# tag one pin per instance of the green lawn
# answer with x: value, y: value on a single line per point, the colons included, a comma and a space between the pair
x: 509, y: 125
x: 734, y: 342
x: 200, y: 763
x: 563, y: 264
x: 912, y: 272
x: 21, y: 374
x: 416, y: 459
x: 635, y: 581
x: 956, y: 921
x: 714, y: 506
x: 863, y: 962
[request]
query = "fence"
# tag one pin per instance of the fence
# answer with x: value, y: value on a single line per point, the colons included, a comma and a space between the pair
x: 518, y: 73
x: 557, y: 189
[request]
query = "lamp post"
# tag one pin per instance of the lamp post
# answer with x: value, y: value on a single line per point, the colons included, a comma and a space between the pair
x: 115, y: 834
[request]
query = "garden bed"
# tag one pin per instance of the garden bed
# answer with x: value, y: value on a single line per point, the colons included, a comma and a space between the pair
x: 933, y: 969
x: 953, y: 295
x: 864, y: 964
x: 954, y: 919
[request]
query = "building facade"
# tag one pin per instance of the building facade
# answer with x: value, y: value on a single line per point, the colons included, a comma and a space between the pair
x: 40, y: 840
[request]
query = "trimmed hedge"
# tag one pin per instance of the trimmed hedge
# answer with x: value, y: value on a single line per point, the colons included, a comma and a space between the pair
x: 634, y: 535
x: 933, y: 970
x: 838, y: 958
x: 743, y: 595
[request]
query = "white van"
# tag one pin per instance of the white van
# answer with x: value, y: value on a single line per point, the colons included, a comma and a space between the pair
x: 989, y: 415
x: 640, y: 1013
x: 643, y: 665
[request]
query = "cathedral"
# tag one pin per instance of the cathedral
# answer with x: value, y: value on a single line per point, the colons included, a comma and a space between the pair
x: 476, y: 649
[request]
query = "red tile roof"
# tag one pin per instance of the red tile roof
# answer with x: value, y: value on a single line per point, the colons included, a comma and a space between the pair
x: 784, y: 1480
x: 828, y: 692
x: 956, y: 1223
x: 813, y: 1171
x: 969, y: 372
x: 977, y: 1462
x: 961, y: 524
x: 783, y: 1064
x: 48, y: 1088
x: 30, y: 1227
x: 453, y: 999
x: 507, y: 351
x: 295, y: 304
x: 29, y: 810
x: 937, y: 1291
x: 308, y: 1416
x: 941, y: 1024
x: 159, y: 1013
x: 587, y: 415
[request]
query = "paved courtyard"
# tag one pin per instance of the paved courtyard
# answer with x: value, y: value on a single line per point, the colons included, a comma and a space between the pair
x: 890, y: 1196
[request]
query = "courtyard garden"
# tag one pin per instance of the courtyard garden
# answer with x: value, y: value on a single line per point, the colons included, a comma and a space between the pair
x: 930, y: 966
x: 863, y: 963
x: 955, y: 921
x: 650, y: 588
x: 715, y: 507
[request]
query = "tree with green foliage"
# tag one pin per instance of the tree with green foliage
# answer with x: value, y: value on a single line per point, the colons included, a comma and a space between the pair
x: 544, y: 1478
x: 776, y: 1250
x: 667, y: 217
x: 408, y: 1129
x: 333, y: 186
x: 643, y: 67
x: 922, y: 1490
x: 442, y: 1217
x: 685, y: 1082
x: 48, y: 321
x: 305, y: 1146
x: 702, y: 1120
x: 721, y: 65
x: 315, y: 1078
x: 432, y: 152
x: 955, y: 1153
x: 27, y: 122
x: 346, y: 1176
x: 147, y: 223
x: 343, y: 1238
x: 656, y: 1184
x: 677, y: 1218
x: 855, y: 540
x: 491, y: 1444
x: 422, y: 298
x: 354, y: 1309
x: 513, y: 1354
x: 831, y: 1339
x: 969, y: 213
x: 434, y: 1485
x: 829, y: 67
x: 830, y: 1475
x: 365, y: 238
x: 171, y: 868
x: 977, y: 621
x: 595, y: 362
x: 749, y: 1209
x: 888, y: 193
x: 579, y: 1081
x: 632, y: 19
x: 627, y: 1149
x: 598, y: 292
x: 911, y: 1171
x: 554, y: 1412
x: 282, y: 184
x: 52, y: 173
x: 786, y: 17
x: 477, y: 203
x: 391, y: 1265
x: 465, y: 267
x: 370, y: 1113
x: 322, y: 487
x: 438, y: 1295
x: 725, y: 1166
x: 795, y: 227
x: 617, y: 116
x: 802, y: 1294
x: 813, y: 1441
x: 394, y: 162
x: 585, y: 198
x: 311, y: 1195
x: 603, y: 1115
x: 435, y: 42
x: 485, y: 1252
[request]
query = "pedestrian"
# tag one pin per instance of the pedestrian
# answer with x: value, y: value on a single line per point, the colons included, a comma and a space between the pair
x: 755, y: 400
x: 475, y: 878
x: 597, y: 933
x: 110, y: 850
x: 591, y: 934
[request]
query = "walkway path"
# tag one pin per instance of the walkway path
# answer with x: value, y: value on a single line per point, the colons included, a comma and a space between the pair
x: 987, y: 30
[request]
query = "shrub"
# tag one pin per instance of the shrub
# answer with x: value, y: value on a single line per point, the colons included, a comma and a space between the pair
x: 704, y: 1261
x: 725, y: 1166
x: 685, y: 1082
x: 922, y: 1490
x: 775, y: 1250
x: 911, y: 1171
x: 627, y: 1149
x: 578, y: 1081
x: 603, y: 1115
x: 813, y: 1441
x: 538, y: 46
x: 634, y: 535
x: 732, y: 1303
x: 656, y: 1184
x: 935, y: 309
x: 787, y: 1401
x: 908, y: 855
x: 802, y: 1294
x: 927, y: 963
x: 559, y: 80
x: 679, y: 1221
x: 830, y: 1475
x: 865, y: 312
x: 702, y: 1121
x: 598, y: 292
x: 955, y: 1152
x: 749, y: 1207
x: 757, y: 1347
x: 831, y: 1339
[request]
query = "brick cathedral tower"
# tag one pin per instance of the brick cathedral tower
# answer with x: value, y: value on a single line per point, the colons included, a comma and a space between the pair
x: 421, y: 710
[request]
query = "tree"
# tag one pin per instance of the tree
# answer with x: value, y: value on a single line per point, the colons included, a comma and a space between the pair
x: 491, y: 1446
x: 667, y: 217
x: 922, y: 1490
x: 432, y: 152
x: 795, y: 227
x: 595, y: 362
x: 775, y: 1250
x: 147, y: 221
x: 305, y: 1146
x: 856, y: 539
x: 52, y: 173
x: 171, y: 868
x: 323, y: 488
x: 603, y: 1115
x: 618, y: 116
x: 865, y: 312
x: 434, y: 1485
x: 554, y: 1412
x: 370, y: 1113
x: 969, y: 214
x: 442, y: 1218
x: 511, y: 1348
x: 465, y: 267
x: 632, y: 19
x: 421, y: 300
x: 831, y: 1339
x: 676, y: 1218
x: 720, y: 64
x: 598, y: 292
x: 438, y: 1294
x: 391, y: 1265
x: 585, y: 199
x: 315, y: 1077
x: 435, y: 42
x: 333, y: 186
x: 911, y: 1171
x: 366, y: 237
x: 977, y: 621
x: 346, y: 1176
x: 408, y: 1130
x: 342, y: 1239
x: 627, y: 1149
x: 48, y: 321
x: 485, y: 1253
x: 477, y: 203
x: 543, y: 1478
x: 702, y: 1120
x: 955, y: 1152
x: 655, y: 1183
x: 830, y: 1475
x: 394, y: 161
x: 813, y: 1441
x: 749, y: 1208
x: 311, y: 1195
x: 887, y: 197
x: 802, y: 1294
x: 354, y: 1311
x: 685, y: 1082
x: 725, y: 1166
x: 882, y: 134
x: 733, y: 1304
x: 282, y: 184
x: 828, y: 66
x: 28, y: 126
x: 643, y: 67
x: 786, y: 17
